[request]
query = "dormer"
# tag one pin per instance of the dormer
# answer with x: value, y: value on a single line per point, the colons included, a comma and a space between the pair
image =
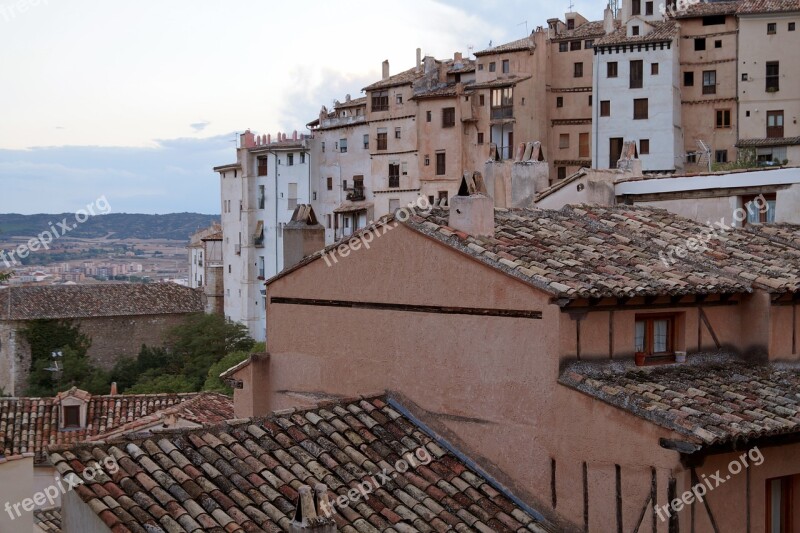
x: 637, y: 26
x: 645, y: 9
x: 73, y: 407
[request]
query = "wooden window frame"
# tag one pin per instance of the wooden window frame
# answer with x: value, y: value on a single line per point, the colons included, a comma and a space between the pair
x: 382, y: 140
x: 644, y: 146
x: 639, y: 115
x: 380, y: 100
x: 448, y: 117
x: 649, y: 320
x: 605, y: 108
x: 636, y: 77
x: 612, y: 69
x: 441, y: 163
x: 67, y: 422
x: 787, y: 496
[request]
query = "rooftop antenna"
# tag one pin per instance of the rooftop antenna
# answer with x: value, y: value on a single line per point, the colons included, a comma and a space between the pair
x: 525, y: 22
x: 55, y: 368
x: 571, y: 6
x: 704, y: 153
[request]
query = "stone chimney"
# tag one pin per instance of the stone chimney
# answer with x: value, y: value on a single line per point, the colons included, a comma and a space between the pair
x: 314, y: 511
x: 472, y: 210
x: 608, y: 20
x: 113, y: 391
x: 302, y: 236
x: 419, y: 59
x: 385, y: 69
x: 347, y: 98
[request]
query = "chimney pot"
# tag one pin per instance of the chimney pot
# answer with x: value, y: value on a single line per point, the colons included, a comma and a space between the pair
x: 419, y: 58
x: 113, y: 388
x: 385, y: 69
x: 472, y: 210
x: 311, y: 514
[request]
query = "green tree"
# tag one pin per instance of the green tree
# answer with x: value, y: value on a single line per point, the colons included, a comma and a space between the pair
x: 213, y: 382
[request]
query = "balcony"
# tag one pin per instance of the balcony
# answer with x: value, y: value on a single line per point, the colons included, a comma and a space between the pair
x: 502, y: 112
x: 356, y: 194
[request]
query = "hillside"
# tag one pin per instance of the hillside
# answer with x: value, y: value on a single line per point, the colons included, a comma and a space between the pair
x: 174, y: 226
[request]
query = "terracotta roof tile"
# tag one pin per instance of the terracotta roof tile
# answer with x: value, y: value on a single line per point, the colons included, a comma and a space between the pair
x: 525, y: 43
x: 29, y: 425
x: 767, y: 6
x: 705, y: 8
x: 713, y: 401
x: 260, y: 464
x: 662, y: 31
x: 81, y: 301
x: 406, y: 77
x: 587, y: 29
x: 48, y: 520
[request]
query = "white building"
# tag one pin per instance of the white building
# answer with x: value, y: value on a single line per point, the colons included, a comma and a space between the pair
x: 197, y: 256
x: 635, y: 89
x: 259, y: 193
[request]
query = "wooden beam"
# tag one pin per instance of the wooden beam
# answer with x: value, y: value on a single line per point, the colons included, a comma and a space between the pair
x: 708, y: 326
x: 645, y: 307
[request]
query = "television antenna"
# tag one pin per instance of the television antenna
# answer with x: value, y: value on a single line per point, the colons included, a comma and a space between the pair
x: 704, y: 153
x: 55, y: 367
x: 525, y: 22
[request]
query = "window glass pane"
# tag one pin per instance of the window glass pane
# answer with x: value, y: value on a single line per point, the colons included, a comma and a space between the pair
x: 775, y: 506
x: 660, y: 335
x: 640, y: 327
x: 770, y: 211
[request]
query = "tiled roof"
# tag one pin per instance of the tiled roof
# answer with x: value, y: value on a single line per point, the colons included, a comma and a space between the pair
x: 525, y: 43
x: 592, y: 252
x: 767, y: 6
x: 355, y: 102
x: 244, y: 476
x: 29, y: 425
x: 48, y: 520
x: 587, y: 29
x: 404, y: 78
x: 710, y: 403
x: 705, y: 8
x: 770, y: 141
x: 662, y: 31
x: 213, y: 237
x: 439, y: 91
x: 506, y: 81
x: 83, y: 301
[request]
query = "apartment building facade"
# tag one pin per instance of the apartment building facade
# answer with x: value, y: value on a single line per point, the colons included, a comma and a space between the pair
x: 259, y: 194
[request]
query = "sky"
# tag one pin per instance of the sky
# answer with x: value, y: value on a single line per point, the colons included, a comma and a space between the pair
x: 138, y: 100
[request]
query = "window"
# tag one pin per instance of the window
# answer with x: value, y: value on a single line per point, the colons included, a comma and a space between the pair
x: 611, y: 69
x: 394, y: 174
x: 648, y: 8
x: 323, y: 146
x: 262, y: 166
x: 428, y: 116
x: 721, y: 156
x: 480, y: 137
x: 506, y: 66
x: 427, y: 160
x: 570, y: 24
x: 397, y: 132
x: 492, y: 66
x: 590, y: 100
x: 635, y: 30
x: 709, y: 82
x: 760, y: 209
x: 779, y: 512
x: 404, y: 168
x: 588, y: 44
x: 343, y: 146
x: 655, y: 334
x: 639, y: 108
x: 262, y: 196
x: 583, y: 145
x: 398, y: 99
x: 292, y: 196
x: 723, y: 118
x: 366, y: 141
x: 718, y: 44
x: 772, y: 28
x: 442, y: 198
x: 574, y: 45
x: 480, y: 66
x: 72, y: 416
x: 562, y: 172
x: 644, y: 146
x: 636, y: 7
x: 563, y: 140
x: 578, y: 70
x: 481, y: 100
x: 329, y: 183
x: 691, y: 157
x: 637, y: 74
x: 441, y: 168
x: 329, y: 221
x: 713, y: 20
x: 559, y: 101
x: 289, y: 160
x: 775, y: 124
x: 605, y: 108
x: 791, y: 26
x: 502, y: 103
x: 654, y: 69
x: 563, y: 46
x: 700, y: 44
x: 380, y: 101
x: 688, y: 79
x: 382, y: 139
x: 448, y: 117
x: 773, y: 76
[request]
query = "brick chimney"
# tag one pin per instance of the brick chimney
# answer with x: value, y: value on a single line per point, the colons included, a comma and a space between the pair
x: 302, y: 236
x: 248, y: 139
x: 472, y: 210
x: 385, y: 69
x: 313, y: 512
x: 113, y: 389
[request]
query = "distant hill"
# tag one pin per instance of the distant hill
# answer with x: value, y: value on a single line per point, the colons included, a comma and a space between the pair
x: 175, y: 226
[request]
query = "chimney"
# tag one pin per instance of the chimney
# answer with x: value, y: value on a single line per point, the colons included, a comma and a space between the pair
x: 269, y: 138
x: 472, y: 210
x: 457, y: 57
x: 302, y: 236
x: 113, y: 389
x: 419, y: 59
x: 294, y: 135
x: 313, y: 511
x: 347, y: 98
x: 608, y: 20
x: 248, y: 140
x: 385, y: 69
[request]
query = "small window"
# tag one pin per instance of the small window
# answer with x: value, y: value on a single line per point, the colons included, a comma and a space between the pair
x: 442, y: 198
x: 262, y: 166
x: 654, y: 69
x: 382, y: 139
x: 709, y: 82
x: 428, y: 116
x: 72, y: 416
x: 590, y: 100
x: 791, y: 26
x: 480, y: 137
x: 637, y: 74
x: 329, y: 183
x: 760, y: 209
x: 688, y: 79
x: 394, y: 175
x: 713, y: 20
x: 772, y: 28
x: 563, y: 46
x: 648, y: 8
x: 700, y: 44
x: 289, y: 160
x: 562, y: 172
x: 588, y: 44
x: 559, y: 101
x: 329, y: 221
x: 611, y: 69
x: 570, y: 24
x: 691, y: 157
x: 583, y: 145
x: 492, y: 67
x: 644, y: 146
x: 427, y: 160
x: 718, y: 44
x: 655, y: 334
x: 578, y: 70
x: 773, y: 76
x: 563, y: 140
x: 366, y: 141
x: 397, y: 133
x: 506, y: 66
x: 441, y: 167
x: 605, y: 108
x: 380, y: 101
x: 448, y: 117
x: 480, y: 66
x: 398, y: 99
x: 302, y: 157
x: 636, y: 7
x: 635, y: 30
x: 721, y: 156
x: 640, y: 109
x: 779, y: 502
x: 481, y: 100
x: 343, y: 146
x: 723, y: 118
x: 574, y: 45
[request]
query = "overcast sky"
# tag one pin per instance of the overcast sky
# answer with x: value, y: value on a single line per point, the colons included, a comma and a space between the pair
x: 138, y: 100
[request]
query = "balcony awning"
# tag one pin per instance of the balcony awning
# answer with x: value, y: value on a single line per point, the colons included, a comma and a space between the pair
x: 352, y: 207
